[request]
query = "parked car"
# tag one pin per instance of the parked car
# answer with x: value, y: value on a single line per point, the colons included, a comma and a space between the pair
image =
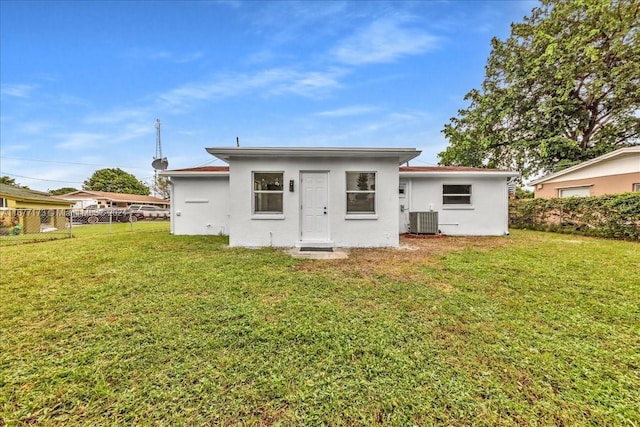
x: 150, y: 211
x: 94, y: 216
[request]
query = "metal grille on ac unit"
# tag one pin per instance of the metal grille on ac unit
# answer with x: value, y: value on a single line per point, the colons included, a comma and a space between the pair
x: 423, y: 222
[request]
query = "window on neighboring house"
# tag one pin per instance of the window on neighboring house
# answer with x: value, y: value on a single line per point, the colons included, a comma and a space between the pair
x: 574, y: 192
x: 267, y: 192
x: 361, y: 192
x: 3, y: 203
x: 636, y: 186
x: 456, y: 194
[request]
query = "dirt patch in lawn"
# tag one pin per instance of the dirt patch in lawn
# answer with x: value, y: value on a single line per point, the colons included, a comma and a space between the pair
x: 403, y: 263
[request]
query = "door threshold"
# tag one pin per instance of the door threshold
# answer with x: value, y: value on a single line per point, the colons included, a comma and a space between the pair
x: 315, y: 249
x: 314, y: 244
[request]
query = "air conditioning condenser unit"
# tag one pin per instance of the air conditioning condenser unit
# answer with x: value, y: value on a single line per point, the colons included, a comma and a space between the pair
x: 423, y: 222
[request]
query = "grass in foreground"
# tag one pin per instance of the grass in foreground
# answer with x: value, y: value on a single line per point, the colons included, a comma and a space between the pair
x: 143, y: 327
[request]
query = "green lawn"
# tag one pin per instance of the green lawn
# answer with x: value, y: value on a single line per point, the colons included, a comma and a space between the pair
x: 142, y: 327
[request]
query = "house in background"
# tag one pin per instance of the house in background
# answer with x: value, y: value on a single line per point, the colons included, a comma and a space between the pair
x: 105, y: 199
x: 12, y: 197
x: 614, y: 172
x: 32, y: 210
x: 333, y: 197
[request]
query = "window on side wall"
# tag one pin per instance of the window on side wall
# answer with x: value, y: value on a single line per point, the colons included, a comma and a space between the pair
x: 574, y: 192
x: 456, y: 194
x: 267, y: 192
x: 361, y: 192
x: 636, y: 186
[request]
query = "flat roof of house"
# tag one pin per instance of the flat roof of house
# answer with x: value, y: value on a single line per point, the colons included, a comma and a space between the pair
x: 404, y: 171
x: 227, y: 153
x: 617, y: 153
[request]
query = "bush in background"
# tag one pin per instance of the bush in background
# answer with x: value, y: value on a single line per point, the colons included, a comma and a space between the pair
x: 615, y: 216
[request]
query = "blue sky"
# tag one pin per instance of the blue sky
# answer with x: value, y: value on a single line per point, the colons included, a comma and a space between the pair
x: 82, y: 83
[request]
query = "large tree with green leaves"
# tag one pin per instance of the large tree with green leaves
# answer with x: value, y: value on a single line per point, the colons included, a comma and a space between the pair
x: 563, y: 88
x: 63, y: 190
x: 4, y: 179
x: 115, y: 180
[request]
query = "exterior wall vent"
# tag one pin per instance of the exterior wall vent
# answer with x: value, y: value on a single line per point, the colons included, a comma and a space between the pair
x: 423, y: 222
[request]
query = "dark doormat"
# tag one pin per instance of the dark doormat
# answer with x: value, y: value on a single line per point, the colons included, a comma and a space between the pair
x: 310, y: 249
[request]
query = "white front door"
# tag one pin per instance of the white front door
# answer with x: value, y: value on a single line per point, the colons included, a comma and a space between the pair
x: 314, y: 209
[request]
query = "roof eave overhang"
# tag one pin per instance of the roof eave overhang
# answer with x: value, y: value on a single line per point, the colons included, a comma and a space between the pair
x: 40, y: 201
x: 228, y: 153
x: 627, y: 151
x: 195, y: 174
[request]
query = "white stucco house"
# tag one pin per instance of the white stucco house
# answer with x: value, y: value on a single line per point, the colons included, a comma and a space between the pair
x: 332, y: 197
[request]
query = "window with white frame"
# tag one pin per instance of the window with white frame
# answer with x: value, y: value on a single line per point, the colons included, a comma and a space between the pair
x: 574, y: 192
x: 3, y: 203
x: 361, y: 192
x: 636, y: 186
x: 267, y: 192
x: 456, y: 194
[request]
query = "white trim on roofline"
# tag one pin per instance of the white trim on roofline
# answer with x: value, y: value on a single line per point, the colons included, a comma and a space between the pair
x: 226, y: 153
x: 411, y: 174
x: 459, y: 174
x: 194, y: 174
x: 616, y: 153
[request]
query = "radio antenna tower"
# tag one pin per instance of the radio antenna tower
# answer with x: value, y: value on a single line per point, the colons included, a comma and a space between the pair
x: 159, y: 163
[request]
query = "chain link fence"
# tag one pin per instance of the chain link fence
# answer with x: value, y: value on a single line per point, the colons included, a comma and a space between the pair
x: 33, y: 225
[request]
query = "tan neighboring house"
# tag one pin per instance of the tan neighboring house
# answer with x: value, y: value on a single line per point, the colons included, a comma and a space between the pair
x: 105, y: 199
x: 612, y: 173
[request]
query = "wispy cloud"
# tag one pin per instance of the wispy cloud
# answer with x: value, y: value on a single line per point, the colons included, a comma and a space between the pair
x: 270, y: 82
x: 265, y: 56
x: 94, y: 140
x: 8, y: 149
x: 384, y: 40
x: 133, y: 131
x: 355, y: 110
x: 105, y: 137
x: 323, y: 17
x: 374, y: 126
x: 117, y: 116
x: 165, y: 55
x: 33, y: 127
x: 80, y: 140
x: 409, y: 116
x: 310, y: 84
x: 18, y: 90
x: 188, y: 57
x: 235, y: 4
